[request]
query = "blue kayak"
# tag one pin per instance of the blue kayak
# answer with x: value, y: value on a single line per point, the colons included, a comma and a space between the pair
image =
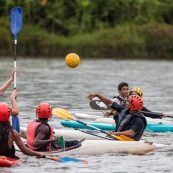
x: 110, y: 127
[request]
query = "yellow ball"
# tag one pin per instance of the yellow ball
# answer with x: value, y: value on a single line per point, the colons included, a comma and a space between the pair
x: 72, y: 60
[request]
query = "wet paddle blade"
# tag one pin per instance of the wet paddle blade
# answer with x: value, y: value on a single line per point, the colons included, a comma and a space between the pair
x: 16, y: 21
x: 67, y: 159
x: 62, y: 113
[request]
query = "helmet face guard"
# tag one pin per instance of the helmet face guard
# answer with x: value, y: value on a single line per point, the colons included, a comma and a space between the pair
x: 5, y: 112
x: 138, y: 90
x: 135, y: 103
x: 44, y: 110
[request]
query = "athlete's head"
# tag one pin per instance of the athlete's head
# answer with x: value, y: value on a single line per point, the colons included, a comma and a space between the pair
x: 5, y: 112
x: 123, y: 89
x: 134, y: 103
x: 136, y: 91
x: 44, y: 110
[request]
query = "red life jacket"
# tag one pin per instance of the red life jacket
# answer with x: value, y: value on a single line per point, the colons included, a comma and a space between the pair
x: 31, y: 134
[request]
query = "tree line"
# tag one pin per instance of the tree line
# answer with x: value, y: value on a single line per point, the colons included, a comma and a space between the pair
x: 122, y: 21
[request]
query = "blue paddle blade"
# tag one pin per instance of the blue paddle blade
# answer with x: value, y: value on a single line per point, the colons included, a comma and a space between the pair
x: 16, y: 123
x: 16, y: 21
x: 69, y: 159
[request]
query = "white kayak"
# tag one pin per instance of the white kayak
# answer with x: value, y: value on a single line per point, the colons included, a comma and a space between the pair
x: 110, y: 120
x: 69, y: 134
x: 149, y: 120
x: 86, y: 116
x: 97, y: 147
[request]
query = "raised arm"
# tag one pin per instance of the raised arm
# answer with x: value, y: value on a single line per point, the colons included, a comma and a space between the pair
x: 4, y: 87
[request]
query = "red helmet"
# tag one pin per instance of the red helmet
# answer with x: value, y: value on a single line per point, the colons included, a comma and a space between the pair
x: 5, y: 112
x: 44, y: 110
x: 136, y: 103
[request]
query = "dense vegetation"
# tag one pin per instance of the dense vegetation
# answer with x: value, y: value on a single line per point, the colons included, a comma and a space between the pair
x: 90, y: 28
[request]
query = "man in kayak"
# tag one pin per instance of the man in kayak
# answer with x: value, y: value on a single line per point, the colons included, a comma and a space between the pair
x: 123, y: 89
x: 130, y: 122
x: 40, y: 134
x: 8, y: 135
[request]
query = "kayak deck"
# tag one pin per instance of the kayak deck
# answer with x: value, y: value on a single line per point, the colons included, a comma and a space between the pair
x: 8, y: 162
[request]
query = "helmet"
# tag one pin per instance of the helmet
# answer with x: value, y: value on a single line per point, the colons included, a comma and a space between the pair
x: 138, y: 90
x: 5, y: 112
x: 136, y: 103
x: 44, y: 110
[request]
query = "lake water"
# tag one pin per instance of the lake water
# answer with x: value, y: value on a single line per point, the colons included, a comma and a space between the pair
x: 50, y: 80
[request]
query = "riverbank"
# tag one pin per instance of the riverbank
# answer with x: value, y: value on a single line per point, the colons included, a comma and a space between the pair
x: 121, y: 42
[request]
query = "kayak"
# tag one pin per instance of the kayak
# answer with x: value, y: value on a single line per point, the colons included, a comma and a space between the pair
x: 149, y: 120
x: 111, y: 120
x: 98, y: 147
x: 111, y: 127
x: 85, y: 116
x: 70, y: 134
x: 8, y: 162
x: 76, y: 125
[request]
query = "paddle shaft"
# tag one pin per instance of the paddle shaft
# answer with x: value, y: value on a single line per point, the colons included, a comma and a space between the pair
x: 15, y: 61
x: 113, y: 136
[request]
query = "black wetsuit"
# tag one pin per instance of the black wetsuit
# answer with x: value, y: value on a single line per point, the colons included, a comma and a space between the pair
x: 135, y: 122
x: 5, y: 150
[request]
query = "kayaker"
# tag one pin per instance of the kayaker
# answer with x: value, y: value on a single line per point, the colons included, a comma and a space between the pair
x: 123, y: 90
x: 40, y: 134
x: 8, y: 135
x: 130, y: 122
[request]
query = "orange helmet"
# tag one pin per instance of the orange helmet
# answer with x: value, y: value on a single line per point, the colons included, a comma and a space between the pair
x: 136, y: 103
x: 5, y: 112
x: 44, y: 110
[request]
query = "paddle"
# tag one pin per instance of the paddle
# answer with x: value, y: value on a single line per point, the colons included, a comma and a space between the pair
x: 16, y: 24
x: 62, y: 113
x: 66, y: 159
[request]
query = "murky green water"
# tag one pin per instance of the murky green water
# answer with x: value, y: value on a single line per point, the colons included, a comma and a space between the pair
x: 52, y: 81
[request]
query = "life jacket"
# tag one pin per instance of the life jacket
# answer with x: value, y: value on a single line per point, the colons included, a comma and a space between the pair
x: 124, y: 122
x: 122, y: 102
x: 5, y: 150
x: 31, y: 134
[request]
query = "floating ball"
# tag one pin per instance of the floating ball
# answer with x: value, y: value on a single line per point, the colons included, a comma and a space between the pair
x: 72, y: 60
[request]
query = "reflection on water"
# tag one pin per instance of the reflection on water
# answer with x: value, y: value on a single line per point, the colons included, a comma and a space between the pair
x: 52, y: 81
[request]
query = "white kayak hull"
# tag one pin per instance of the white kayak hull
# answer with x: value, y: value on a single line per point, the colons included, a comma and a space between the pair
x: 149, y: 121
x: 68, y: 134
x: 98, y: 147
x: 111, y: 120
x: 86, y: 116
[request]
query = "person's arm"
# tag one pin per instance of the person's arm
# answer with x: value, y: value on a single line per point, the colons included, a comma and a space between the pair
x: 137, y: 125
x: 104, y: 99
x: 15, y: 109
x: 4, y: 87
x: 128, y: 133
x: 147, y: 113
x: 24, y: 149
x: 39, y: 140
x: 117, y: 107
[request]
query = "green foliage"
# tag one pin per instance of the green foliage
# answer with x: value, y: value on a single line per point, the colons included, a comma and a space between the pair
x: 91, y: 28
